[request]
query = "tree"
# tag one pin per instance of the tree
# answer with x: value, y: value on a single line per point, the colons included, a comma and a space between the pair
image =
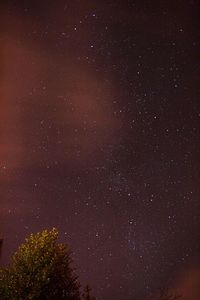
x: 40, y: 270
x: 87, y: 293
x: 166, y: 295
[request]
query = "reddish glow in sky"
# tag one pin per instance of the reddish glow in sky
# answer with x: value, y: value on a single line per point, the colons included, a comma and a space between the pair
x: 99, y: 136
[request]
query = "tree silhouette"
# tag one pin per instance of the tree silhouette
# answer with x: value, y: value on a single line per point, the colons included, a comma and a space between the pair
x: 166, y: 295
x: 87, y: 293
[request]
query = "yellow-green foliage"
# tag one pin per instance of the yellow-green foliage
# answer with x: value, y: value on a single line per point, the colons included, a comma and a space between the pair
x: 40, y: 269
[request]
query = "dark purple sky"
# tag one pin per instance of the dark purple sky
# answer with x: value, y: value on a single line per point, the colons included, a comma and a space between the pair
x: 99, y: 136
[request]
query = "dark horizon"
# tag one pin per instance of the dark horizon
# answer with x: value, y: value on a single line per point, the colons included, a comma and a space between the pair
x: 99, y: 130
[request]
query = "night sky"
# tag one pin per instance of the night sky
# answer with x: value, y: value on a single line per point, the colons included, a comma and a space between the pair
x: 99, y: 137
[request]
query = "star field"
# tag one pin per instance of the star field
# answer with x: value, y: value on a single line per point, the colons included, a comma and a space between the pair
x: 99, y: 126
